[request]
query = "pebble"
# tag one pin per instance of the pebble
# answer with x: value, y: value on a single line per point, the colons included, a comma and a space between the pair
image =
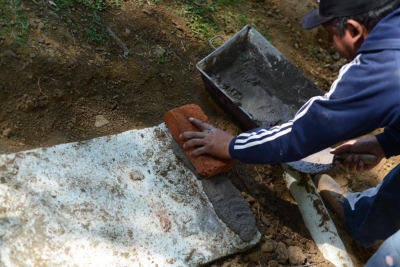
x: 146, y: 12
x: 336, y: 56
x: 7, y: 132
x: 265, y: 221
x: 9, y: 53
x: 296, y: 256
x: 250, y: 199
x: 273, y: 263
x: 269, y: 246
x: 159, y: 51
x: 100, y: 121
x: 281, y: 253
x: 256, y: 256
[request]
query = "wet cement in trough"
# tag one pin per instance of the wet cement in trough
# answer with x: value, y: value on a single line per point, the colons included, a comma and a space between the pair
x: 241, y: 82
x: 257, y: 77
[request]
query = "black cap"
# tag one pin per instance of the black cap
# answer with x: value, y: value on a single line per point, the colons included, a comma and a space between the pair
x: 329, y: 9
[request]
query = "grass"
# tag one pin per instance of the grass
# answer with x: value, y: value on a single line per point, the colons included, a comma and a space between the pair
x: 13, y: 22
x: 90, y: 20
x: 142, y: 2
x: 205, y: 18
x: 202, y: 15
x: 161, y: 59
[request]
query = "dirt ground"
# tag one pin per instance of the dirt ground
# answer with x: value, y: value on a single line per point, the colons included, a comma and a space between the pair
x: 53, y: 87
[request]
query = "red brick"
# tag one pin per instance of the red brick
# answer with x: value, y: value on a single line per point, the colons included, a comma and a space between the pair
x: 177, y: 121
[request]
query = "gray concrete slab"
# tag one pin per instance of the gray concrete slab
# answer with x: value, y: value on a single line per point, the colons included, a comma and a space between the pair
x: 121, y: 200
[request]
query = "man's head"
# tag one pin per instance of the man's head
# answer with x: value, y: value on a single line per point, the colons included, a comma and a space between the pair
x: 348, y: 22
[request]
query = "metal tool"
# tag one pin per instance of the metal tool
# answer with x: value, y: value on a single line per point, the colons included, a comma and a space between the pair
x: 324, y: 160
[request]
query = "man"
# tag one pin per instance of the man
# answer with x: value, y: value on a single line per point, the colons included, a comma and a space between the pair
x: 365, y: 97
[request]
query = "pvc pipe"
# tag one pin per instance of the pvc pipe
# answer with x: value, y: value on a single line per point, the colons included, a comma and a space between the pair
x: 316, y: 217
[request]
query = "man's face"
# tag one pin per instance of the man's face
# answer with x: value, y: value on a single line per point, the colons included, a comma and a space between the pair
x: 343, y: 44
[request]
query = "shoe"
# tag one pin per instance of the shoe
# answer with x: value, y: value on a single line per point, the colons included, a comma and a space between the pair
x: 331, y: 193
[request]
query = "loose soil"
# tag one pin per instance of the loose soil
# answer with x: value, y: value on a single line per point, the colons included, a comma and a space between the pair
x: 53, y: 87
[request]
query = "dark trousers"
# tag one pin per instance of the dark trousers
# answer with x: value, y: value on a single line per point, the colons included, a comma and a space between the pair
x: 374, y: 214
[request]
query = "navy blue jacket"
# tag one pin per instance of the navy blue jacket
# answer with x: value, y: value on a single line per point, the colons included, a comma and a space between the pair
x: 365, y: 97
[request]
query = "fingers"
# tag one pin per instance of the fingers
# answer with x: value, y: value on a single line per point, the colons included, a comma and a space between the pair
x: 354, y: 163
x: 191, y: 135
x: 200, y: 124
x: 210, y: 140
x: 199, y: 151
x: 194, y: 142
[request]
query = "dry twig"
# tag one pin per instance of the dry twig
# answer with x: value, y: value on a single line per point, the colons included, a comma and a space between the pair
x: 40, y: 89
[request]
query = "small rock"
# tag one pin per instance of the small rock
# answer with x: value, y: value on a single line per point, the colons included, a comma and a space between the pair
x: 281, y: 253
x: 335, y: 67
x: 271, y: 232
x: 36, y: 23
x: 147, y: 12
x: 230, y: 29
x: 9, y: 53
x: 51, y: 52
x: 7, y: 132
x: 52, y: 14
x: 256, y: 206
x: 273, y: 263
x: 250, y: 199
x: 269, y: 246
x: 32, y: 55
x: 100, y: 121
x: 296, y: 256
x: 289, y: 242
x: 256, y: 256
x: 159, y: 51
x: 336, y: 56
x: 265, y: 221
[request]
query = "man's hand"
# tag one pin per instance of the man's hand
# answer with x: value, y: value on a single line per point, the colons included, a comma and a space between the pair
x: 368, y: 145
x: 210, y: 141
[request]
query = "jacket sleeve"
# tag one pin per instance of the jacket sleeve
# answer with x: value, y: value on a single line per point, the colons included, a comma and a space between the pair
x: 362, y: 99
x: 390, y: 141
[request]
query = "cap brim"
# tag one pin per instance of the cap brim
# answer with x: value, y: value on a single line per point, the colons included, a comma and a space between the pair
x: 313, y: 19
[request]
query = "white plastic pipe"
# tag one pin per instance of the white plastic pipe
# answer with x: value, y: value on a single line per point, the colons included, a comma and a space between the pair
x: 316, y: 217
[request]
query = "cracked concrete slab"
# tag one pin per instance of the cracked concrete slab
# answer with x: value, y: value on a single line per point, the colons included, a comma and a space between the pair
x: 121, y: 200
